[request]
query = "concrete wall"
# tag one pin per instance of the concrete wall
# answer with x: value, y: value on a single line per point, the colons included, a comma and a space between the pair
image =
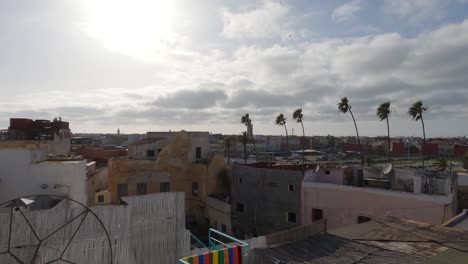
x: 61, y: 143
x: 218, y: 213
x: 98, y: 181
x: 20, y: 177
x: 266, y: 199
x: 342, y: 205
x: 106, y: 196
x: 198, y: 139
x: 139, y: 149
x: 331, y: 175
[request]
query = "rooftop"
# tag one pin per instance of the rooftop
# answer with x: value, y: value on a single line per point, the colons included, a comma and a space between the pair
x: 326, y: 248
x: 387, y: 240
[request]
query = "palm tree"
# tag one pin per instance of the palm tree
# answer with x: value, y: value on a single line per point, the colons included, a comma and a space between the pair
x: 297, y: 115
x: 245, y: 140
x: 344, y: 107
x: 245, y: 119
x: 281, y: 121
x: 383, y: 111
x: 416, y: 112
x: 227, y: 142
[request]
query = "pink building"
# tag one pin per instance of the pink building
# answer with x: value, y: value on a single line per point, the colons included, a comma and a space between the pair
x: 343, y: 195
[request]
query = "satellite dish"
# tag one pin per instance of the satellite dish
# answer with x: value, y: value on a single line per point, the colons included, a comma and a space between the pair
x: 387, y: 169
x: 317, y: 168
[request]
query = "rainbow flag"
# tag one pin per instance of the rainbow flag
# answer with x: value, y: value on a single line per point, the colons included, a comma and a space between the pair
x: 232, y: 255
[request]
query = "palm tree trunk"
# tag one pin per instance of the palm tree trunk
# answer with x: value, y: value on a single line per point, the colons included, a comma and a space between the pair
x: 424, y: 140
x: 358, y: 138
x: 245, y: 153
x: 303, y: 143
x: 287, y: 141
x: 389, y: 142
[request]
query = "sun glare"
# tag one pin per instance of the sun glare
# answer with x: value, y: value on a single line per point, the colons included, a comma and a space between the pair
x: 140, y: 28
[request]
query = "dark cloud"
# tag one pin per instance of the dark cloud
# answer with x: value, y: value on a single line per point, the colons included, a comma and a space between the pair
x: 264, y: 98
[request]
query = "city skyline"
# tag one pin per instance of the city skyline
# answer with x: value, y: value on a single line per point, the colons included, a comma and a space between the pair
x: 160, y: 65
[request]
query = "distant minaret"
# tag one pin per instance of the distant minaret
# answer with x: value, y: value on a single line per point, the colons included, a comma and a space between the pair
x: 250, y: 130
x: 118, y: 131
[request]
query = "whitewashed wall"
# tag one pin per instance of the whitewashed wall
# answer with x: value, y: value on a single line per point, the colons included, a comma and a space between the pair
x: 21, y: 176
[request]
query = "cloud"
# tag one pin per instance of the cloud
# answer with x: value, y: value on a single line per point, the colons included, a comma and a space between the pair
x: 266, y: 21
x: 416, y: 11
x: 346, y: 12
x: 244, y: 70
x: 191, y: 99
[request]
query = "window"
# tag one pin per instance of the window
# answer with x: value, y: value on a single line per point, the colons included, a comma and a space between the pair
x: 195, y: 188
x: 240, y: 207
x: 362, y: 219
x: 317, y: 214
x: 291, y: 217
x: 291, y: 188
x: 327, y: 172
x: 121, y: 191
x: 141, y: 188
x: 150, y: 153
x: 198, y: 153
x: 164, y: 187
x: 223, y: 228
x: 100, y: 198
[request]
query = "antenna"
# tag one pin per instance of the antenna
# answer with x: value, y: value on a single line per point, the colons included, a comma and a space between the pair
x: 387, y: 169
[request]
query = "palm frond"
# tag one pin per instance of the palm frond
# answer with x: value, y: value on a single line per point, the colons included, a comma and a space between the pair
x: 297, y: 115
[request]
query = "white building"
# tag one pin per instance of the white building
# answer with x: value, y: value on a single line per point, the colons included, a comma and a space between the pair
x: 30, y: 167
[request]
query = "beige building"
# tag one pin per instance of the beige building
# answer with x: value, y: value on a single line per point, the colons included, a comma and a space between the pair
x: 173, y: 170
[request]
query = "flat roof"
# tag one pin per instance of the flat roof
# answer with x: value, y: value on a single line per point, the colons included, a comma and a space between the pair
x: 61, y: 162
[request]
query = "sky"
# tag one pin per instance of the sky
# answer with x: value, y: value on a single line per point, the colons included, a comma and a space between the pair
x: 148, y: 65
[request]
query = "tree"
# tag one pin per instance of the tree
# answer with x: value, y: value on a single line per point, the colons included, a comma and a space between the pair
x: 245, y: 119
x: 464, y: 160
x: 281, y: 121
x: 416, y: 112
x: 344, y: 107
x: 383, y: 111
x: 297, y: 115
x: 441, y: 164
x: 227, y: 143
x: 245, y: 140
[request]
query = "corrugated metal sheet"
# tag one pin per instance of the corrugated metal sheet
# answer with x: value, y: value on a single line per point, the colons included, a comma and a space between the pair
x: 151, y: 229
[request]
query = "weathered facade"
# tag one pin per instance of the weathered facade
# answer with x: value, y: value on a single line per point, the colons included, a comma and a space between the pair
x: 265, y: 200
x: 172, y: 171
x: 218, y: 212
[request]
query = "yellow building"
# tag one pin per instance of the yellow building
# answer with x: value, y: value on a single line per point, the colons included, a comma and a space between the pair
x: 172, y: 171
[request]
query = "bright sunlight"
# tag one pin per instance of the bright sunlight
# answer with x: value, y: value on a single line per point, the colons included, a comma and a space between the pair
x: 140, y: 28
